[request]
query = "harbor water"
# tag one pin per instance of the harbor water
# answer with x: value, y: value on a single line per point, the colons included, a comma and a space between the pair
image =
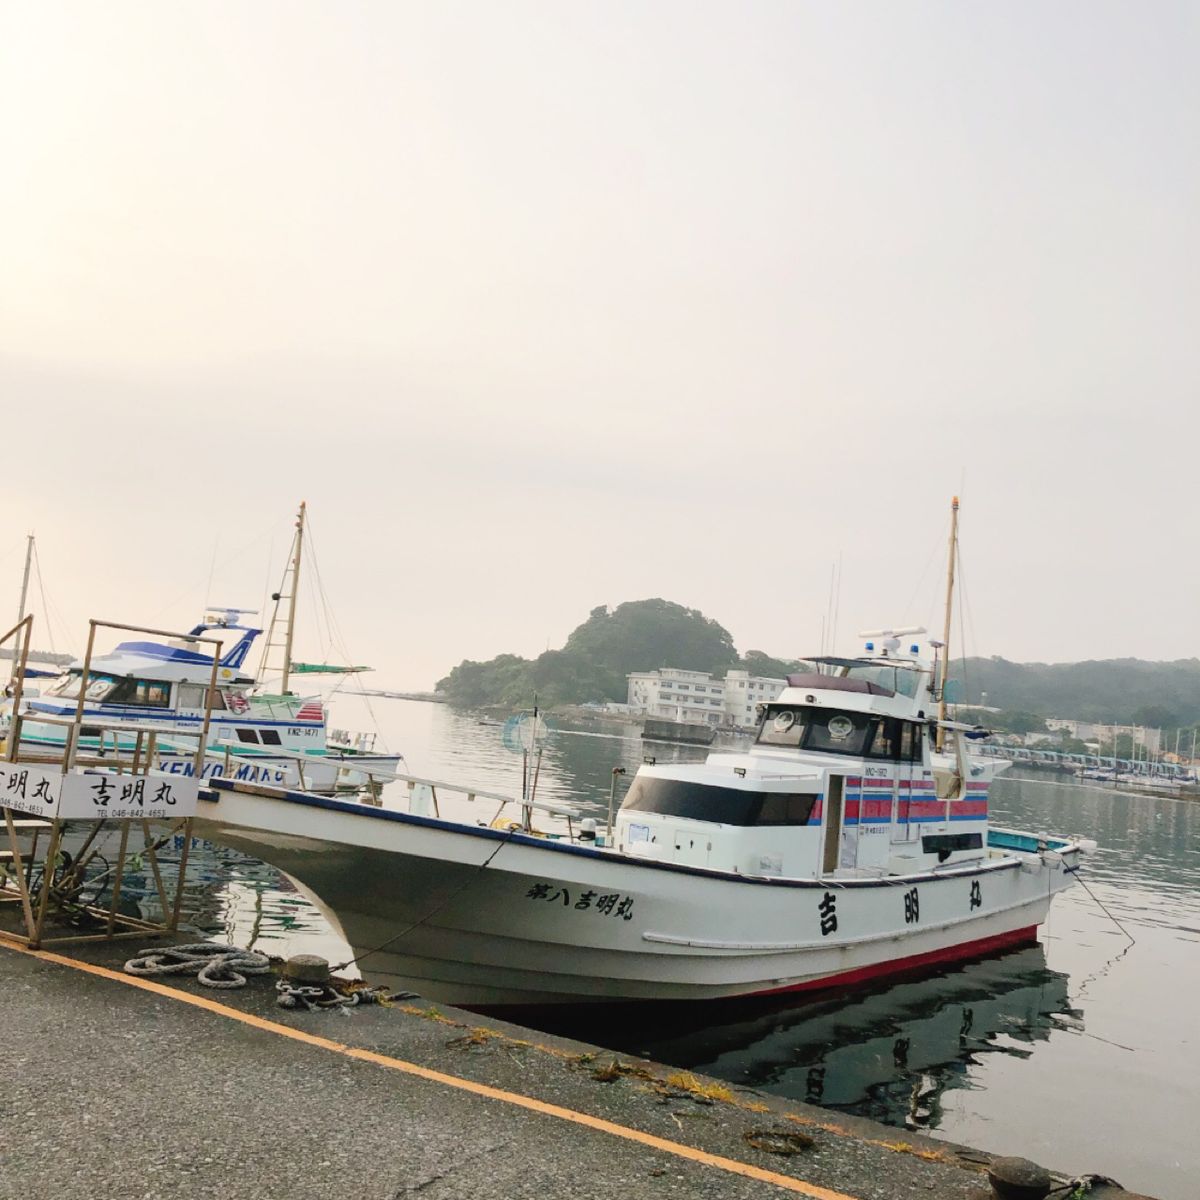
x: 1078, y: 1052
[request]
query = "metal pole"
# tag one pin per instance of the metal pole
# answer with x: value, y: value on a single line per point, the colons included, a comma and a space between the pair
x: 72, y: 748
x: 612, y: 796
x: 173, y: 924
x: 202, y: 744
x: 18, y: 686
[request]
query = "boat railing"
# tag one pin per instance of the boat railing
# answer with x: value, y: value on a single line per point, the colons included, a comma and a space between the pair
x: 377, y: 778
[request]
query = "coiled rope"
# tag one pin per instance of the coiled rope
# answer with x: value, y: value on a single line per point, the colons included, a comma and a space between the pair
x: 214, y: 965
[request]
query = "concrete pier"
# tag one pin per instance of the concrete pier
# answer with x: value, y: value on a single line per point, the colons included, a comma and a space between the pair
x: 115, y: 1086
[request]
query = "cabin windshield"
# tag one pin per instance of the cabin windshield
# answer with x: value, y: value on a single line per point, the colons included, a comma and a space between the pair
x: 904, y: 681
x: 835, y: 731
x: 98, y: 688
x: 111, y: 689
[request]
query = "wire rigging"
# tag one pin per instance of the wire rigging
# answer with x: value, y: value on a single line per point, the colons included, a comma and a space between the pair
x: 338, y: 642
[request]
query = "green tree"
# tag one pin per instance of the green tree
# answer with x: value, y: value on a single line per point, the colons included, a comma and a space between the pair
x: 1155, y: 716
x: 759, y: 663
x: 642, y: 635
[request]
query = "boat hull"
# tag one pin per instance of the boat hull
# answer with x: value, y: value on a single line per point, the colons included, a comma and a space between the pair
x: 479, y: 917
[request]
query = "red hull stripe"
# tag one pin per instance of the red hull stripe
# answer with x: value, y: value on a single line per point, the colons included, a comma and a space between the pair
x: 987, y: 945
x: 913, y: 809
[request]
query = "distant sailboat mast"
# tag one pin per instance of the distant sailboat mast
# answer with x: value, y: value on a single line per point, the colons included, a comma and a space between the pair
x: 287, y: 591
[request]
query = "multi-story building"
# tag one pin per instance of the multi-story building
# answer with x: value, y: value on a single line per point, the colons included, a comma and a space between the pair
x: 1090, y: 731
x: 698, y: 698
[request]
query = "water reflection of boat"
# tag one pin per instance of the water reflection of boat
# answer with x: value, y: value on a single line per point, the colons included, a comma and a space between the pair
x: 889, y: 1053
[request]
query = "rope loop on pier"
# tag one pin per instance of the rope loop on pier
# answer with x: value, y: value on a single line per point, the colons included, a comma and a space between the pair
x: 213, y: 965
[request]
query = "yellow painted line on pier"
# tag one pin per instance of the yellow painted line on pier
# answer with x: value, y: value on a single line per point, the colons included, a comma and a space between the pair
x: 731, y: 1165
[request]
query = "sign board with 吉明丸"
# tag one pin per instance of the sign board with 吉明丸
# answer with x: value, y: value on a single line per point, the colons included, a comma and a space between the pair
x: 92, y: 796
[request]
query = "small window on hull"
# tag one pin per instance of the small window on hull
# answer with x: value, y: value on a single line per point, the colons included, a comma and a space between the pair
x: 944, y: 843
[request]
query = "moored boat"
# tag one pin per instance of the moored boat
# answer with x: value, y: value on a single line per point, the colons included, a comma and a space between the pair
x: 842, y: 846
x: 161, y: 685
x: 850, y: 841
x: 257, y: 733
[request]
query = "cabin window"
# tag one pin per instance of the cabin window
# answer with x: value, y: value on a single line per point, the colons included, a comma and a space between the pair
x: 191, y: 695
x: 247, y: 735
x: 904, y: 681
x: 727, y: 806
x: 898, y: 741
x: 782, y: 726
x: 839, y: 732
x: 68, y: 685
x: 141, y: 693
x: 270, y: 737
x: 786, y: 808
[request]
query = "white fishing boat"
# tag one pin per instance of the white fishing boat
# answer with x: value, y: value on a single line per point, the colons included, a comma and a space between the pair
x: 850, y: 841
x: 260, y: 730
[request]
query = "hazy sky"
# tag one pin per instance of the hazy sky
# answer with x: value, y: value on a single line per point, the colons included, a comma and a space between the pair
x: 547, y: 305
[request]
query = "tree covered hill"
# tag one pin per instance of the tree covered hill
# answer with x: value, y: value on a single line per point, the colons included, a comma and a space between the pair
x: 1125, y: 691
x: 643, y: 635
x: 640, y: 635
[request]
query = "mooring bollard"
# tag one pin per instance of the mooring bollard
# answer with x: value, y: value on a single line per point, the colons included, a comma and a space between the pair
x: 1019, y: 1179
x: 311, y: 970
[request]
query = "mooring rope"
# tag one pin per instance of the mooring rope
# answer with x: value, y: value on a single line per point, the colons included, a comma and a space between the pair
x: 437, y: 908
x: 214, y: 965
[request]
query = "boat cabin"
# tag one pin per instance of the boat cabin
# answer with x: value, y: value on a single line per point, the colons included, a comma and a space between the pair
x: 843, y: 778
x: 168, y: 683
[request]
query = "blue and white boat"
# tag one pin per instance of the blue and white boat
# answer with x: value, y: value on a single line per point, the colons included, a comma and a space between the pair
x: 280, y: 740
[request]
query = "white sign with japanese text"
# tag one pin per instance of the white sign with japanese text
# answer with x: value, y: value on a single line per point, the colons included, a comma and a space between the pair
x: 33, y: 790
x: 92, y: 795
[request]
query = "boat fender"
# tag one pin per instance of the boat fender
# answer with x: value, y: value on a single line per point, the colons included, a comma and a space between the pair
x: 507, y: 826
x: 587, y: 830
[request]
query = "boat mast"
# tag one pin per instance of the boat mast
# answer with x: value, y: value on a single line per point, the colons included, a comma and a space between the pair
x: 298, y: 545
x: 941, y: 735
x: 25, y: 577
x: 21, y: 606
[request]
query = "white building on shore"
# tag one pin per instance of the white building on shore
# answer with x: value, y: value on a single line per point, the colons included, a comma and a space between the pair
x: 700, y: 699
x: 1091, y: 731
